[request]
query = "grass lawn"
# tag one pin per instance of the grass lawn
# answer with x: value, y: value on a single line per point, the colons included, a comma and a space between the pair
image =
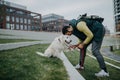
x: 24, y: 64
x: 2, y: 41
x: 92, y: 67
x: 6, y: 35
x: 117, y: 52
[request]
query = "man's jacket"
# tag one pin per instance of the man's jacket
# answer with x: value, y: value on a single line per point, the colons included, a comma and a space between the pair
x: 95, y: 27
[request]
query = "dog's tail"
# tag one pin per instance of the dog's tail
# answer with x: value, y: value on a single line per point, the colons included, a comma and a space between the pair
x: 39, y: 53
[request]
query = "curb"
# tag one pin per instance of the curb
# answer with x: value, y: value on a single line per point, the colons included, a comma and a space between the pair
x: 72, y: 72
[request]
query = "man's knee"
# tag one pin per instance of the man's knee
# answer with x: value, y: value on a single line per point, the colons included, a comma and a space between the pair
x: 96, y: 52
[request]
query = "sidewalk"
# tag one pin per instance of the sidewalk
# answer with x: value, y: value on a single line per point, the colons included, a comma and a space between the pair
x: 17, y: 45
x: 106, y: 52
x: 72, y: 72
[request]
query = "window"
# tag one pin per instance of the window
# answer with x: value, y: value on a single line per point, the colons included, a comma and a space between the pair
x: 29, y: 21
x: 7, y: 10
x: 21, y: 27
x: 12, y: 26
x: 7, y: 26
x: 11, y: 10
x: 25, y: 20
x: 21, y: 20
x: 7, y: 18
x: 17, y: 19
x: 13, y: 19
x: 29, y: 28
x: 17, y: 26
x: 25, y: 27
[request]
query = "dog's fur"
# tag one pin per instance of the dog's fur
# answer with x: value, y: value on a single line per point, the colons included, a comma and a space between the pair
x: 58, y: 45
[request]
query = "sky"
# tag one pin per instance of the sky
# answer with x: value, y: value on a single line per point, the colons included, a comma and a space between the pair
x: 72, y: 8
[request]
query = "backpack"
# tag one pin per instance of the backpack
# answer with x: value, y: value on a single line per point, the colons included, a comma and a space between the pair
x: 92, y: 17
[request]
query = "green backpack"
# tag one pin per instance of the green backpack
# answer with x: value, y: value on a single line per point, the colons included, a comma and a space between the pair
x: 92, y: 17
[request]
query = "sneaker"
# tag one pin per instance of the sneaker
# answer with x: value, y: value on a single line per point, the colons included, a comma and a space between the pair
x: 79, y: 67
x: 102, y: 73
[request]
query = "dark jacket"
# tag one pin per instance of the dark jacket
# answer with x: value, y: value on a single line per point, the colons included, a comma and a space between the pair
x: 96, y: 28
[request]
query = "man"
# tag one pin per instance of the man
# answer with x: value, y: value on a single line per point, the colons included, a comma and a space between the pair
x: 88, y: 32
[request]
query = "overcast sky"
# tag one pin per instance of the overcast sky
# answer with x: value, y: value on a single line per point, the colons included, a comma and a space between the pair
x: 72, y: 8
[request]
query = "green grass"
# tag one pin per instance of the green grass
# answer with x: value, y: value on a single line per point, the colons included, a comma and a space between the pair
x: 92, y: 67
x: 6, y: 35
x: 2, y: 41
x: 117, y: 52
x: 25, y: 64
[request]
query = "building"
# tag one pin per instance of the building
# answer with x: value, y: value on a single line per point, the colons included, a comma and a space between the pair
x: 53, y: 22
x: 117, y: 15
x: 107, y: 31
x: 17, y: 17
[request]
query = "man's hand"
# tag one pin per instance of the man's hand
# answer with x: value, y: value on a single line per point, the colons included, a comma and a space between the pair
x: 81, y: 46
x: 73, y: 46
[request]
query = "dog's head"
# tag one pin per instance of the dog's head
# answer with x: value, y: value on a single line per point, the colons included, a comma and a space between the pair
x: 65, y: 39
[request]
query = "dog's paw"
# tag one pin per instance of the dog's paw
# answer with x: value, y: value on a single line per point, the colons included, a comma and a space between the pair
x: 39, y: 53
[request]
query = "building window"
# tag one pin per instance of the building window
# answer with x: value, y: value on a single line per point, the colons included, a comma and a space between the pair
x: 7, y: 25
x: 17, y: 26
x: 12, y: 26
x: 13, y: 19
x: 29, y: 21
x: 32, y: 28
x: 7, y: 10
x: 25, y: 21
x: 17, y: 19
x: 21, y: 27
x: 21, y: 20
x: 7, y: 18
x: 25, y: 27
x: 29, y: 28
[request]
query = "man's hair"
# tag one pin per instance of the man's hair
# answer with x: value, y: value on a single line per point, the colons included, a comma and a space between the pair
x: 64, y: 29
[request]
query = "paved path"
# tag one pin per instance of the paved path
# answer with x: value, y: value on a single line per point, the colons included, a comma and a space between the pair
x: 17, y: 45
x: 106, y: 52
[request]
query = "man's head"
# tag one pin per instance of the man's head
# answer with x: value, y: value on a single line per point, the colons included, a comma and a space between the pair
x: 67, y: 30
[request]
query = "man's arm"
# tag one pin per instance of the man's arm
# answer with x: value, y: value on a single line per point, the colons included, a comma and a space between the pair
x: 81, y: 26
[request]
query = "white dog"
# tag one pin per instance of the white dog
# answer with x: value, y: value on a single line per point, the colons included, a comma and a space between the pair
x: 59, y: 44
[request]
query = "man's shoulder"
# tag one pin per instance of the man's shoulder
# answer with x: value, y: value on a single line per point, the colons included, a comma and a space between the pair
x: 81, y: 23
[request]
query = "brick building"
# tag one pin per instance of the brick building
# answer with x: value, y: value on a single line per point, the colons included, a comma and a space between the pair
x: 117, y: 15
x: 17, y: 17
